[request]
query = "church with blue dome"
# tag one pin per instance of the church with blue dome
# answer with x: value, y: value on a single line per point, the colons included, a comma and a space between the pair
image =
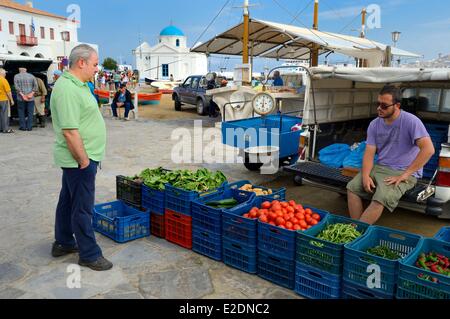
x: 169, y: 57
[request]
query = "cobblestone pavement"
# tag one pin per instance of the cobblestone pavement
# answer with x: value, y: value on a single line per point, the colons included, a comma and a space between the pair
x: 146, y: 268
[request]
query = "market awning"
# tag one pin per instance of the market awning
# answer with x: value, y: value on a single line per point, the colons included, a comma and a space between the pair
x: 282, y: 41
x: 380, y: 75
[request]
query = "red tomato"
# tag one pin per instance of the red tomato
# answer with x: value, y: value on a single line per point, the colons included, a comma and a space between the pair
x: 272, y: 216
x: 290, y: 209
x: 292, y: 203
x: 303, y: 224
x: 316, y: 217
x: 308, y: 219
x: 314, y: 222
x: 272, y: 223
x: 299, y: 207
x: 284, y: 211
x: 297, y: 227
x: 266, y: 205
x: 253, y: 214
x: 300, y: 216
x: 289, y: 225
x: 294, y: 220
x: 284, y: 204
x: 280, y: 221
x: 264, y: 211
x: 263, y: 219
x: 245, y: 216
x: 276, y: 207
x: 308, y: 211
x: 282, y: 226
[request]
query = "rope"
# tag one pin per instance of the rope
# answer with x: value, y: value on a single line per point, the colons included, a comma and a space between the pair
x: 210, y: 24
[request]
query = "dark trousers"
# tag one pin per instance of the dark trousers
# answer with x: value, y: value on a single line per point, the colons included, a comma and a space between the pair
x: 127, y: 106
x: 25, y: 109
x: 74, y: 212
x: 212, y: 109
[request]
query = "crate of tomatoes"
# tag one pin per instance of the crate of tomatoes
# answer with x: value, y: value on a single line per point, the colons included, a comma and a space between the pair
x: 278, y: 222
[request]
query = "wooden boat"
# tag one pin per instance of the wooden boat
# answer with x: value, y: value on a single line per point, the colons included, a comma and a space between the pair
x: 144, y: 98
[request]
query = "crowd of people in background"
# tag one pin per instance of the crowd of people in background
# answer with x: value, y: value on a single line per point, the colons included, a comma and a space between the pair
x: 112, y: 81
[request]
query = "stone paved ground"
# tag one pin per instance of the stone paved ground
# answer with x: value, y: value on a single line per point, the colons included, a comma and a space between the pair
x: 146, y: 268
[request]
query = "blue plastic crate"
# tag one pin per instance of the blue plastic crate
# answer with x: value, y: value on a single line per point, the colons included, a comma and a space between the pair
x: 277, y: 194
x: 180, y: 200
x: 120, y: 222
x: 207, y: 243
x: 350, y: 291
x: 315, y: 284
x: 321, y: 254
x: 281, y: 242
x: 411, y: 286
x: 443, y: 234
x: 153, y: 200
x: 210, y: 218
x: 357, y: 260
x: 280, y: 271
x: 240, y: 256
x: 258, y: 131
x: 238, y: 228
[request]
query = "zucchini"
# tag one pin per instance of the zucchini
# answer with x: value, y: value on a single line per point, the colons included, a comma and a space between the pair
x: 225, y: 202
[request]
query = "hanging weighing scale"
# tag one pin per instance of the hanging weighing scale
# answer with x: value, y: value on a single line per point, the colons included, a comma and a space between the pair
x: 263, y: 103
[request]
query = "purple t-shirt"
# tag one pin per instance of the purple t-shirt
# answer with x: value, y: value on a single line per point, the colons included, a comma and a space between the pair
x: 396, y: 143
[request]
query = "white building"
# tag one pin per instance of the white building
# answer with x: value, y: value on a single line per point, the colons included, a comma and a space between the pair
x: 27, y: 31
x: 170, y: 56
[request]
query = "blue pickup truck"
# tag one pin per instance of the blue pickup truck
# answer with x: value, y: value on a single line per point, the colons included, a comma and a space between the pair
x: 192, y: 92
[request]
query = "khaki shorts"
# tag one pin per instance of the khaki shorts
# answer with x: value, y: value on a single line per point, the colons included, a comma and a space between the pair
x: 388, y: 196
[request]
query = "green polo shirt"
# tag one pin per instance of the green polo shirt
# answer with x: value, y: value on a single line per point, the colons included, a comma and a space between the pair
x: 75, y: 108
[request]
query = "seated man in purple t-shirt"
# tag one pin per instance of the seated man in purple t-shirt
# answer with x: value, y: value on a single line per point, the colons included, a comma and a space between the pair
x: 403, y: 146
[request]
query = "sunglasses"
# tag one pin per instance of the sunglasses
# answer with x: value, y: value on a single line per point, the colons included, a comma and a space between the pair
x: 384, y: 106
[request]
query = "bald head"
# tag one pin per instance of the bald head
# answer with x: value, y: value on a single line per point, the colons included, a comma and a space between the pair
x: 22, y: 70
x: 2, y: 72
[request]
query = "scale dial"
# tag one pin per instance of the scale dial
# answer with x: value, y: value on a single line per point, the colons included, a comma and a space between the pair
x: 263, y: 103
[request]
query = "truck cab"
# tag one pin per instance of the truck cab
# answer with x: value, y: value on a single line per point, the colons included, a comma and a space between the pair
x: 340, y: 105
x: 192, y: 92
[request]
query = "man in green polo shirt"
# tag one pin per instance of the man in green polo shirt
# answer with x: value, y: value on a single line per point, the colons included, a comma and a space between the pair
x: 79, y: 148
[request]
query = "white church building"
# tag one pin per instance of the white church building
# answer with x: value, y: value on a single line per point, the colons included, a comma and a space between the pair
x: 170, y: 56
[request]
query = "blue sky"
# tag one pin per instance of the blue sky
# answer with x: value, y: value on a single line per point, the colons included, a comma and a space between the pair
x: 115, y: 25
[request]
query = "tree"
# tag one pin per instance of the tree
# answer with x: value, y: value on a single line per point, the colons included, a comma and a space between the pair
x: 110, y: 64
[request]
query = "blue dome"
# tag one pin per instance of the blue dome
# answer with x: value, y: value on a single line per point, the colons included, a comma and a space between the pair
x: 171, y: 31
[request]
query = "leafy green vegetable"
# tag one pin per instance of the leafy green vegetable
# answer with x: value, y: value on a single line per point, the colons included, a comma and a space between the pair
x: 200, y: 181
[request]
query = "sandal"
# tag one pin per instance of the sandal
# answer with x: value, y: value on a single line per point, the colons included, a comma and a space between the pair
x: 9, y: 131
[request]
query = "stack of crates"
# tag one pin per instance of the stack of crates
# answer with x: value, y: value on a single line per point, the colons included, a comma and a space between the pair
x: 439, y: 134
x: 359, y: 265
x: 121, y: 222
x: 320, y: 263
x: 240, y: 237
x: 154, y: 201
x: 178, y: 214
x: 418, y: 283
x: 276, y: 252
x: 207, y: 221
